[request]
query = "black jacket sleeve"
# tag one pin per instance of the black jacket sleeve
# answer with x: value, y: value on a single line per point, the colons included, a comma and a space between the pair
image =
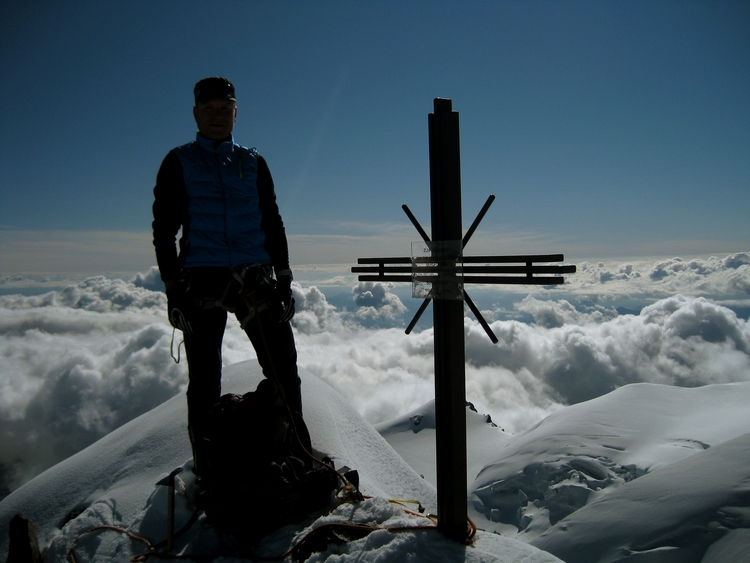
x: 170, y: 213
x: 276, y: 243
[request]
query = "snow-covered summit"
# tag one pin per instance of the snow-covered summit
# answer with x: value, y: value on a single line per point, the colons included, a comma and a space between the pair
x: 113, y: 482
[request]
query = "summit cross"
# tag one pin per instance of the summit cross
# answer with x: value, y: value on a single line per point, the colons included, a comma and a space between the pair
x: 439, y: 271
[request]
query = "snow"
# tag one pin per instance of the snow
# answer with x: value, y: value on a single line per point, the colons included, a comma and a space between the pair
x: 683, y: 507
x: 113, y: 483
x: 646, y: 473
x: 413, y: 437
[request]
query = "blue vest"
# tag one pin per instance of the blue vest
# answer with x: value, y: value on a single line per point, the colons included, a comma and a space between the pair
x: 223, y: 204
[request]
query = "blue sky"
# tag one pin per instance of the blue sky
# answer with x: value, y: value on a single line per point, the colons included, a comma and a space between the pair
x: 604, y: 128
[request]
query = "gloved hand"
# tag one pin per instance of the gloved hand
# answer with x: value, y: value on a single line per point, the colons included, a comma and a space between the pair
x: 284, y: 297
x: 178, y: 308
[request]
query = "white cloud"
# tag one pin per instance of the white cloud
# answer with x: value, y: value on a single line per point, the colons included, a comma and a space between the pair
x: 150, y: 280
x: 314, y: 314
x: 550, y: 314
x: 375, y: 302
x: 78, y: 362
x: 676, y: 341
x: 712, y: 276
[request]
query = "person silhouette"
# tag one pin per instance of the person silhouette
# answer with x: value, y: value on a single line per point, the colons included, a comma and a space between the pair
x: 233, y: 255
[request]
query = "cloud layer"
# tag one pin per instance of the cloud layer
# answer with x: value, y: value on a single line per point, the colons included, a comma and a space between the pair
x: 713, y: 276
x: 79, y: 362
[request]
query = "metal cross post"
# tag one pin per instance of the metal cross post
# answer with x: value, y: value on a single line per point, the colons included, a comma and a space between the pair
x: 438, y: 271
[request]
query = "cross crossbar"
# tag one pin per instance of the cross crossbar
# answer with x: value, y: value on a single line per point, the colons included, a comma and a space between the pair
x: 474, y: 259
x: 378, y: 269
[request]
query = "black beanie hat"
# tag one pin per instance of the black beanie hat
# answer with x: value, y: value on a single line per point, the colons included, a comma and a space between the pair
x: 212, y: 88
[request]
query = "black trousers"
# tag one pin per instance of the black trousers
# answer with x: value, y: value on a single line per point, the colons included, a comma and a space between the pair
x: 273, y: 342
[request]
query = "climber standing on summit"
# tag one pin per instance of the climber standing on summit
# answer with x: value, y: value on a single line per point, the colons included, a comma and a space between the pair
x: 233, y: 255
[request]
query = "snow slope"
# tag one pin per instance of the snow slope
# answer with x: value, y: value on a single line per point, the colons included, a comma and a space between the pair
x: 413, y: 437
x: 646, y: 473
x: 113, y: 482
x: 672, y: 514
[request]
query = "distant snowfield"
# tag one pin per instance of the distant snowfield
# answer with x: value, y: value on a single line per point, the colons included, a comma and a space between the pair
x: 113, y: 482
